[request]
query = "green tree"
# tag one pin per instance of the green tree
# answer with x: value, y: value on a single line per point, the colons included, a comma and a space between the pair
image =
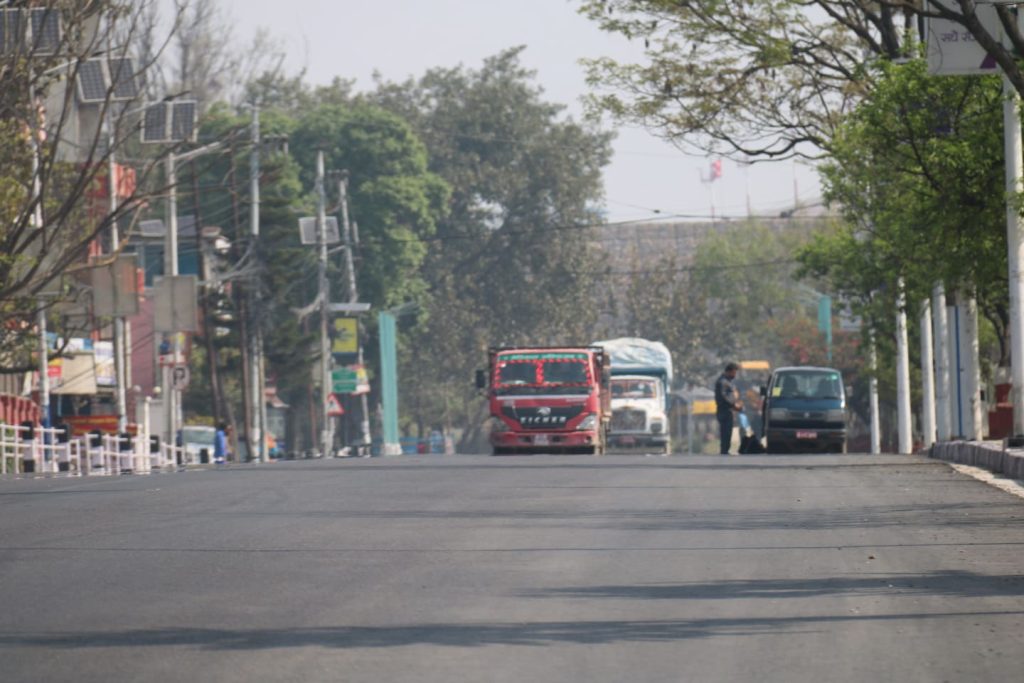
x: 53, y: 177
x: 766, y: 78
x: 513, y: 261
x: 393, y: 197
x: 918, y: 172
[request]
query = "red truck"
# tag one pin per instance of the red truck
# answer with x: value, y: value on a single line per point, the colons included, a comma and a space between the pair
x: 548, y: 399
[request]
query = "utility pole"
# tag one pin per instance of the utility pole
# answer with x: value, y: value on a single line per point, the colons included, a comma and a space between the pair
x: 353, y: 297
x: 257, y: 440
x: 323, y: 293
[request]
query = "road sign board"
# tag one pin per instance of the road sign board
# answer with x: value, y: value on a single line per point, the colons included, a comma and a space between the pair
x: 954, y: 51
x: 346, y: 337
x: 350, y: 380
x: 180, y: 377
x: 334, y: 408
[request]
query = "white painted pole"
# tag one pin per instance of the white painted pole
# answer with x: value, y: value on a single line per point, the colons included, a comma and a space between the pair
x: 902, y: 372
x: 956, y: 383
x: 927, y: 378
x: 170, y: 394
x: 940, y: 322
x: 876, y: 433
x: 972, y: 370
x: 1015, y: 245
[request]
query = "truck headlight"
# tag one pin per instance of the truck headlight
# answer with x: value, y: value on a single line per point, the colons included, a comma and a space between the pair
x: 589, y: 422
x: 835, y: 415
x: 498, y: 425
x: 778, y: 414
x: 657, y: 425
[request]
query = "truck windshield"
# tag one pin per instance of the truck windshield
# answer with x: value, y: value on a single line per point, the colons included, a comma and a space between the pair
x: 811, y: 384
x: 634, y: 388
x: 543, y: 376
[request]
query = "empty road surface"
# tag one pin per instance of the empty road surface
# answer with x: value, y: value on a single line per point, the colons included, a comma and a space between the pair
x: 525, y: 569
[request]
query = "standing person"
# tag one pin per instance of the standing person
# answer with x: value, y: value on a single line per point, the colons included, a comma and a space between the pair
x: 727, y: 400
x: 220, y: 444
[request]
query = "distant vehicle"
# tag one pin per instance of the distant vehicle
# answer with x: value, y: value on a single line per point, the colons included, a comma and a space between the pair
x: 548, y: 399
x: 641, y: 381
x: 805, y: 410
x: 195, y: 439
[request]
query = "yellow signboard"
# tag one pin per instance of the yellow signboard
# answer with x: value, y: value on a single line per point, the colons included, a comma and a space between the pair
x: 346, y: 336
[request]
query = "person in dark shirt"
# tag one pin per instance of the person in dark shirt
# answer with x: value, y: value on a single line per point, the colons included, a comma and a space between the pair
x: 727, y: 400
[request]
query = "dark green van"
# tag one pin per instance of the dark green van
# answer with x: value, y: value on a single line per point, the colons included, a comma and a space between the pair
x: 805, y: 411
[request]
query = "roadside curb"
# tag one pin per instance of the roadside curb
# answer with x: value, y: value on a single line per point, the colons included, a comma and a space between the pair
x: 987, y: 455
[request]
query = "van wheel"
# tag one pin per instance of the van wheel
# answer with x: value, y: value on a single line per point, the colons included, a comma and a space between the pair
x: 775, y: 447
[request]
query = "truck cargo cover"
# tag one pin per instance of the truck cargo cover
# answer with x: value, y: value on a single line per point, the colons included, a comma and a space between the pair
x: 633, y: 354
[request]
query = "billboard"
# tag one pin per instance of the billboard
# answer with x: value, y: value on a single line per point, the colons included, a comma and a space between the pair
x: 954, y: 51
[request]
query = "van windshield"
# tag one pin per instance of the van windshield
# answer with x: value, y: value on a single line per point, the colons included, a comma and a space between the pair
x: 811, y: 384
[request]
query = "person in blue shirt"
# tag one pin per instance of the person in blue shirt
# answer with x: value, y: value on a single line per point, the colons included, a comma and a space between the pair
x: 220, y: 444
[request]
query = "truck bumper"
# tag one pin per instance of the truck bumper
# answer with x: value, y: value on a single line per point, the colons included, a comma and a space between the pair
x: 638, y: 439
x: 544, y: 442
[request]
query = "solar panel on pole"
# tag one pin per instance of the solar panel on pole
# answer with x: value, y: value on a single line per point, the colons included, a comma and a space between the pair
x: 122, y: 76
x: 12, y: 33
x: 307, y: 230
x: 45, y: 30
x: 183, y: 121
x: 92, y: 81
x: 156, y: 123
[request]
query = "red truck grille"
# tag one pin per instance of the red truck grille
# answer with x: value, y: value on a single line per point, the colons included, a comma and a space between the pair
x: 542, y: 417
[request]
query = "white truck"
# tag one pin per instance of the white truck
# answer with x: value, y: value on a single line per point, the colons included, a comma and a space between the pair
x: 641, y: 373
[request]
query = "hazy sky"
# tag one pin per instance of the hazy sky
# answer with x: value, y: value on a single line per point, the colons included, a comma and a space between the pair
x: 401, y: 38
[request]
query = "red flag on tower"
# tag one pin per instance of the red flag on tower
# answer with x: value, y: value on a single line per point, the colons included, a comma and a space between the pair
x: 716, y: 169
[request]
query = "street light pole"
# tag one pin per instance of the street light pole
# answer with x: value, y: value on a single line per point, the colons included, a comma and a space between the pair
x: 121, y: 352
x: 323, y: 292
x: 256, y: 396
x: 171, y: 268
x: 171, y: 395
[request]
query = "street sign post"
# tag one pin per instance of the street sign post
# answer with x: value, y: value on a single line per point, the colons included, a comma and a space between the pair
x: 180, y: 377
x: 334, y: 408
x: 350, y: 380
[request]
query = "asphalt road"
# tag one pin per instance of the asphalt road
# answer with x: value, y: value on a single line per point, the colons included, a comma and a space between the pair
x: 465, y: 568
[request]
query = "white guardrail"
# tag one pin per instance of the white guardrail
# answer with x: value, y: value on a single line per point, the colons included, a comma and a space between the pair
x: 51, y: 450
